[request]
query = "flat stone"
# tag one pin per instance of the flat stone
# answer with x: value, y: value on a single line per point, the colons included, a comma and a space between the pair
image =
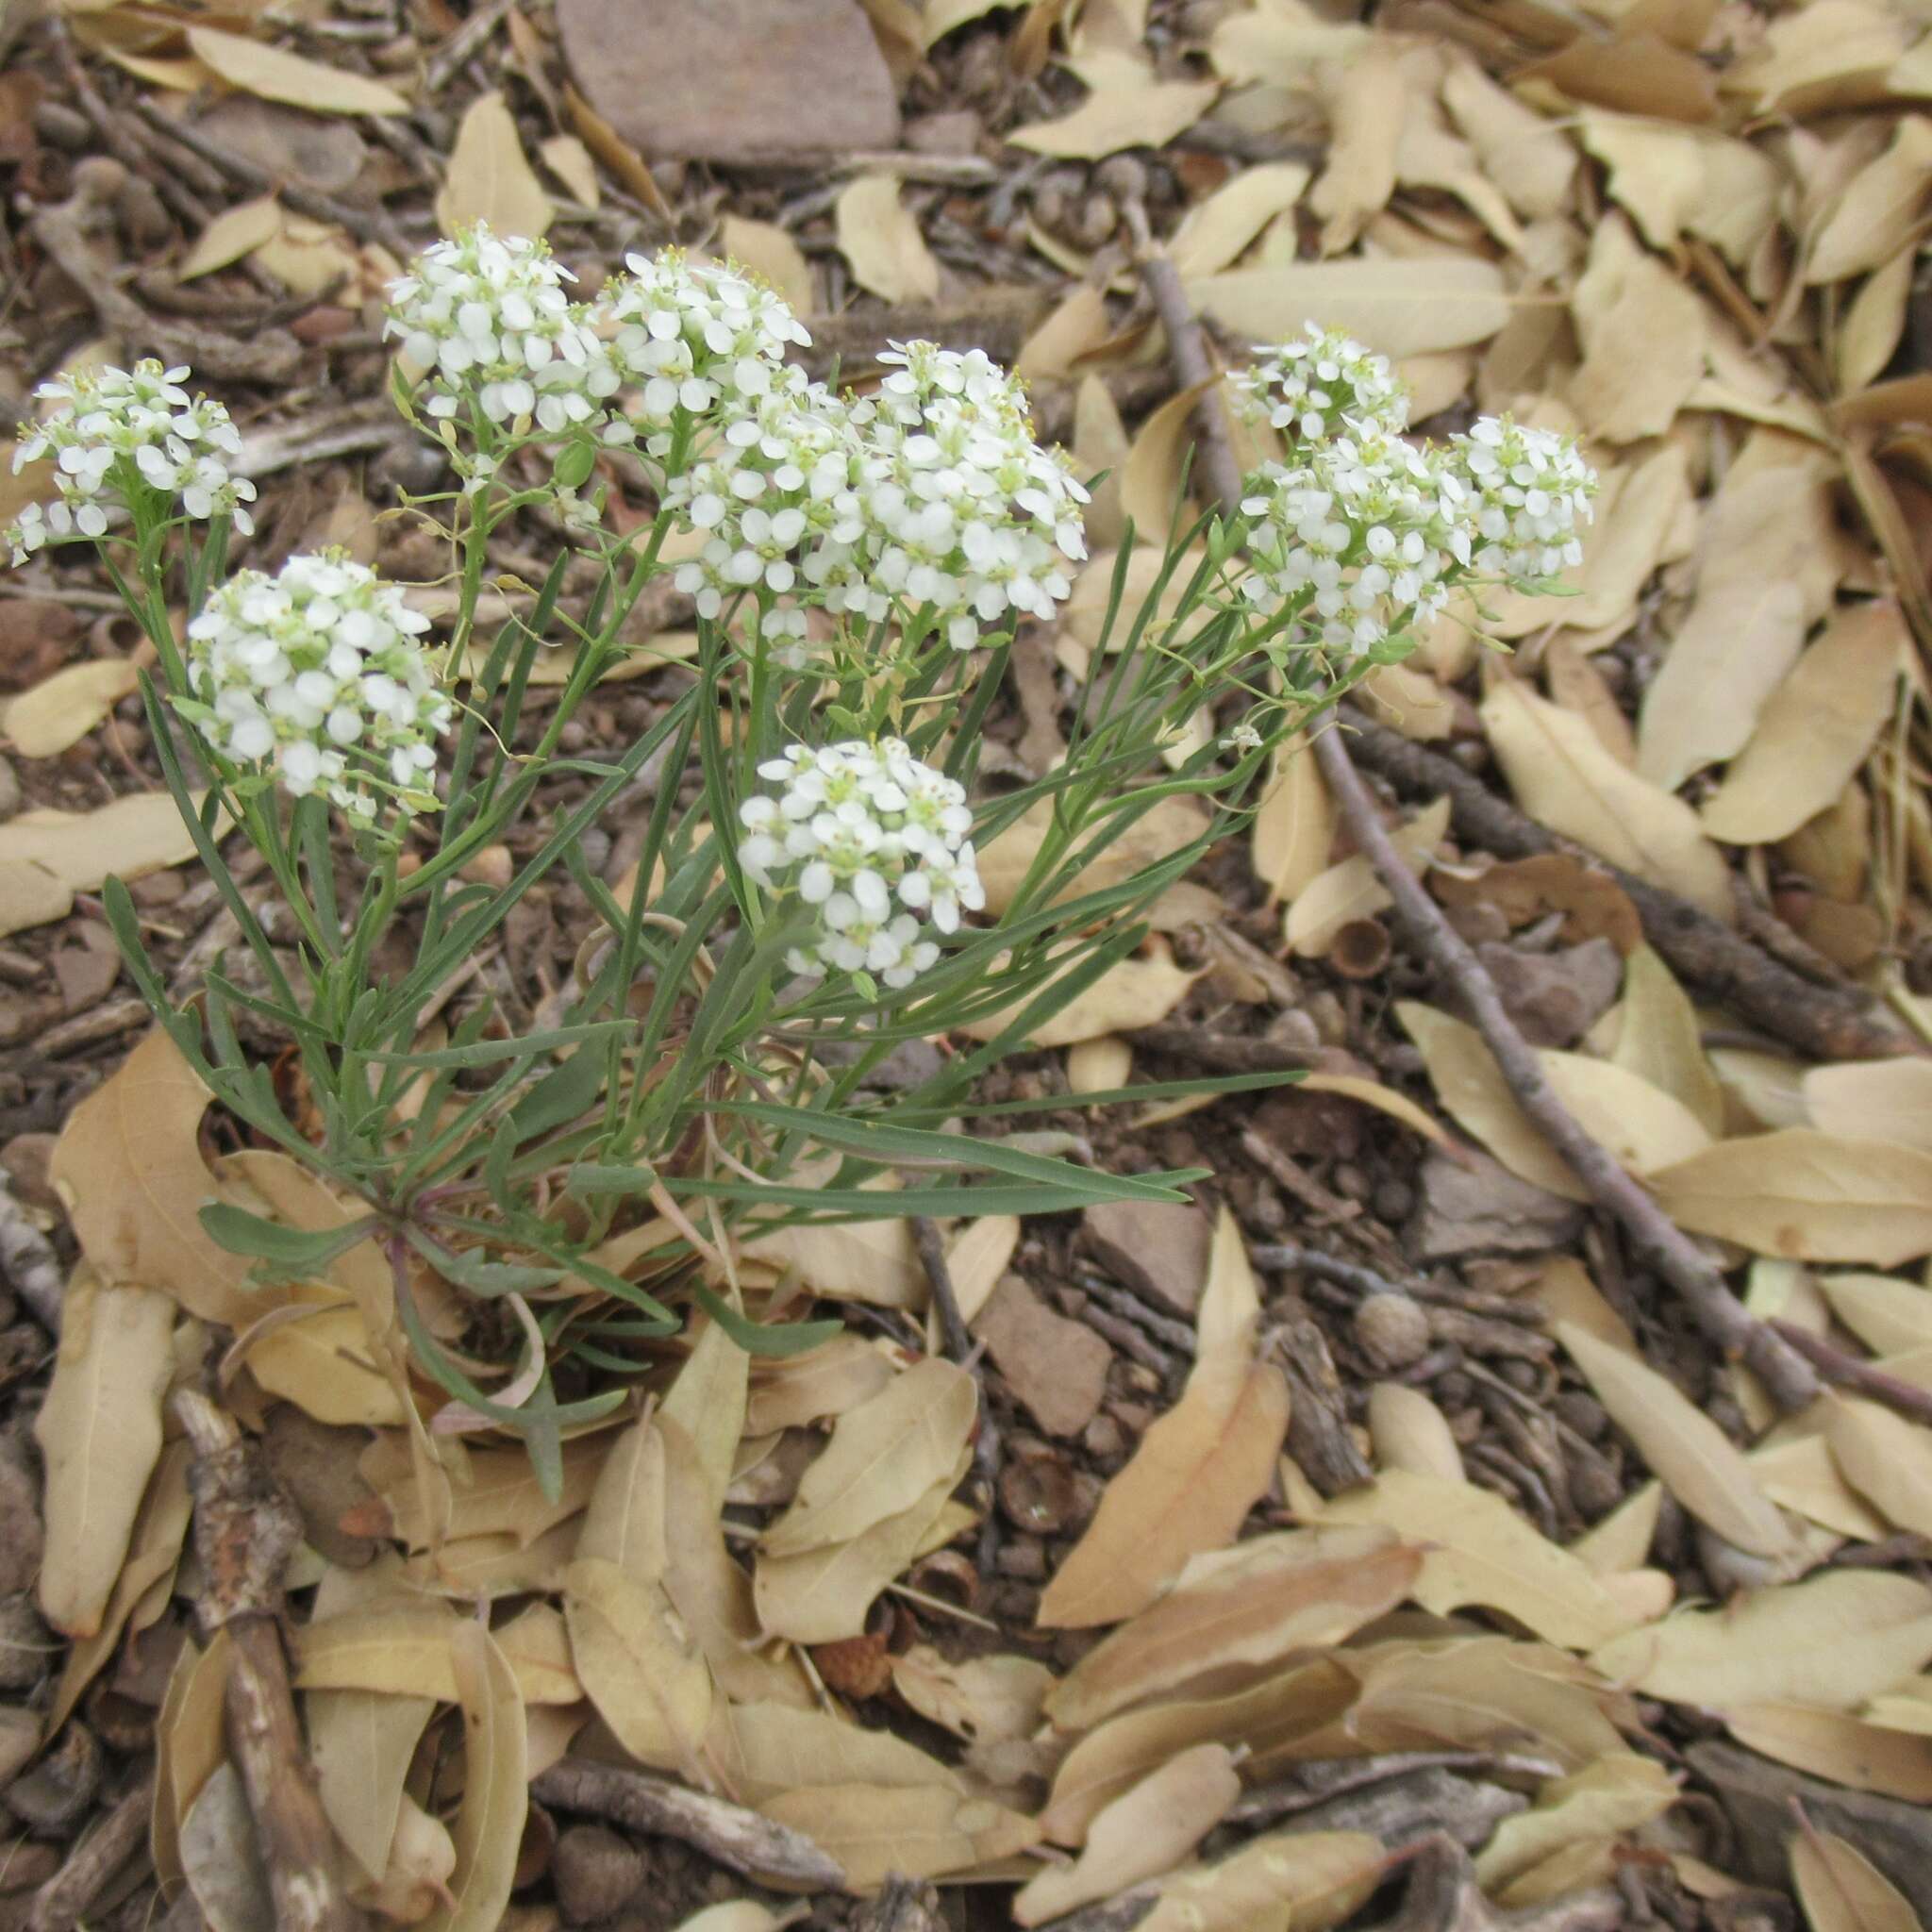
x: 1475, y: 1206
x: 1156, y: 1248
x: 1556, y: 998
x: 732, y: 81
x: 1056, y: 1368
x: 319, y: 150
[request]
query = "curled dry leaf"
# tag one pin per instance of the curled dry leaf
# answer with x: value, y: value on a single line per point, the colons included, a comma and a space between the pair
x: 1479, y: 1551
x: 1831, y: 1641
x: 1806, y: 1195
x: 99, y: 1432
x: 984, y: 1700
x: 880, y: 239
x: 1688, y: 1453
x: 1612, y: 1796
x: 1198, y: 1469
x: 1564, y: 778
x: 1244, y: 1608
x: 1144, y: 1832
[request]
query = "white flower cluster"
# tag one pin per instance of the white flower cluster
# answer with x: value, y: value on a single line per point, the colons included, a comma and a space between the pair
x: 489, y: 316
x: 121, y: 437
x: 1362, y: 535
x: 930, y: 501
x: 318, y: 669
x: 693, y: 336
x: 872, y: 837
x: 1531, y: 491
x: 1311, y: 386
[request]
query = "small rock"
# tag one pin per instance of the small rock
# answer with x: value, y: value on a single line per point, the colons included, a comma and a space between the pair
x: 27, y: 1647
x: 1584, y: 1413
x: 1473, y: 1205
x: 1156, y: 1248
x: 25, y: 1866
x: 733, y: 79
x: 1038, y: 1492
x: 595, y: 1873
x: 1023, y: 1557
x: 319, y: 150
x: 53, y: 1798
x: 1055, y: 1367
x: 20, y: 1537
x: 1556, y: 998
x: 1393, y: 1330
x: 954, y: 133
x: 20, y: 1737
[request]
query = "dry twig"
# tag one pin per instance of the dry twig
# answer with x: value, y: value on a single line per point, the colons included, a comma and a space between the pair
x: 245, y: 1529
x: 966, y: 1351
x: 1790, y: 1379
x: 62, y: 1903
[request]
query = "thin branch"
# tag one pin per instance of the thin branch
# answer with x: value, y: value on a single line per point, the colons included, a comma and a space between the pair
x: 1843, y: 1371
x: 961, y: 1347
x: 1790, y: 1379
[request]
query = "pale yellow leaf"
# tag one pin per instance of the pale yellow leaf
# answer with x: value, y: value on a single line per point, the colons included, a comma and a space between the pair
x: 1619, y: 1545
x: 1874, y: 322
x: 920, y: 1832
x: 1410, y: 1432
x: 1841, y: 1890
x: 1526, y: 155
x: 1817, y: 728
x: 637, y: 1663
x: 1198, y: 1469
x: 422, y: 1862
x: 1403, y: 307
x: 1888, y: 1315
x: 232, y: 234
x: 1688, y: 1453
x: 1367, y: 104
x: 880, y: 238
x: 30, y: 896
x: 1077, y: 328
x: 1800, y: 1476
x: 1881, y: 210
x: 1131, y: 994
x: 873, y: 1262
x: 1831, y: 1641
x: 127, y: 839
x: 1484, y: 1553
x: 60, y: 710
x: 1351, y: 891
x: 978, y: 1255
x: 769, y: 250
x: 1125, y: 108
x: 1217, y: 232
x: 1151, y: 476
x: 360, y: 1745
x: 1806, y: 1195
x: 490, y: 1825
x: 1294, y: 823
x: 1564, y: 778
x: 489, y: 179
x: 1862, y: 1752
x: 1885, y: 1458
x: 570, y: 161
x: 274, y: 75
x: 1309, y: 1879
x: 1615, y: 1795
x: 315, y: 1351
x: 1144, y: 1833
x: 983, y: 1700
x: 1398, y: 1107
x: 1660, y: 1040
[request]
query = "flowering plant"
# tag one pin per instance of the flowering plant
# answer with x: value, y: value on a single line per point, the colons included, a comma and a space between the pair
x: 807, y: 895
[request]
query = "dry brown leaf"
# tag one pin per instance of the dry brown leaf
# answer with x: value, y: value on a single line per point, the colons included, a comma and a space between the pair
x: 1294, y: 823
x: 770, y: 250
x: 984, y: 1700
x: 1410, y: 1432
x: 1479, y: 1551
x: 1660, y: 1040
x: 873, y: 1262
x: 1888, y: 1315
x: 490, y: 1825
x: 1643, y: 332
x: 1125, y: 108
x: 1873, y: 323
x: 707, y: 1404
x: 1882, y: 209
x: 422, y: 1862
x: 402, y: 1649
x: 884, y: 1456
x: 1403, y: 307
x: 767, y: 1750
x: 1685, y: 1450
x: 825, y: 1596
x: 1243, y: 1607
x: 571, y: 162
x: 1840, y: 1889
x: 1309, y: 1879
x: 637, y: 1663
x: 1806, y: 1195
x: 1216, y: 232
x: 136, y: 835
x: 1832, y: 1640
x: 99, y: 1432
x: 616, y: 152
x: 1606, y: 1799
x: 1367, y: 104
x: 827, y: 1382
x: 1150, y: 480
x: 880, y: 238
x: 1527, y: 157
x: 190, y: 1741
x: 1198, y: 1469
x: 1398, y: 1107
x: 920, y: 1832
x: 1885, y: 1458
x: 232, y: 234
x: 1351, y: 891
x: 1862, y: 1752
x: 360, y: 1745
x: 1816, y: 731
x: 60, y: 710
x: 275, y: 75
x: 1618, y: 1545
x: 489, y: 177
x: 1144, y: 1832
x: 1075, y: 329
x: 1562, y: 775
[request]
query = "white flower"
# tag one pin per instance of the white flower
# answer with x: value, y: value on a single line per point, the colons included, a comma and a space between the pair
x: 1529, y: 493
x: 319, y: 671
x: 693, y: 335
x: 487, y: 318
x: 1310, y: 387
x: 1242, y: 739
x: 123, y: 438
x: 872, y: 837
